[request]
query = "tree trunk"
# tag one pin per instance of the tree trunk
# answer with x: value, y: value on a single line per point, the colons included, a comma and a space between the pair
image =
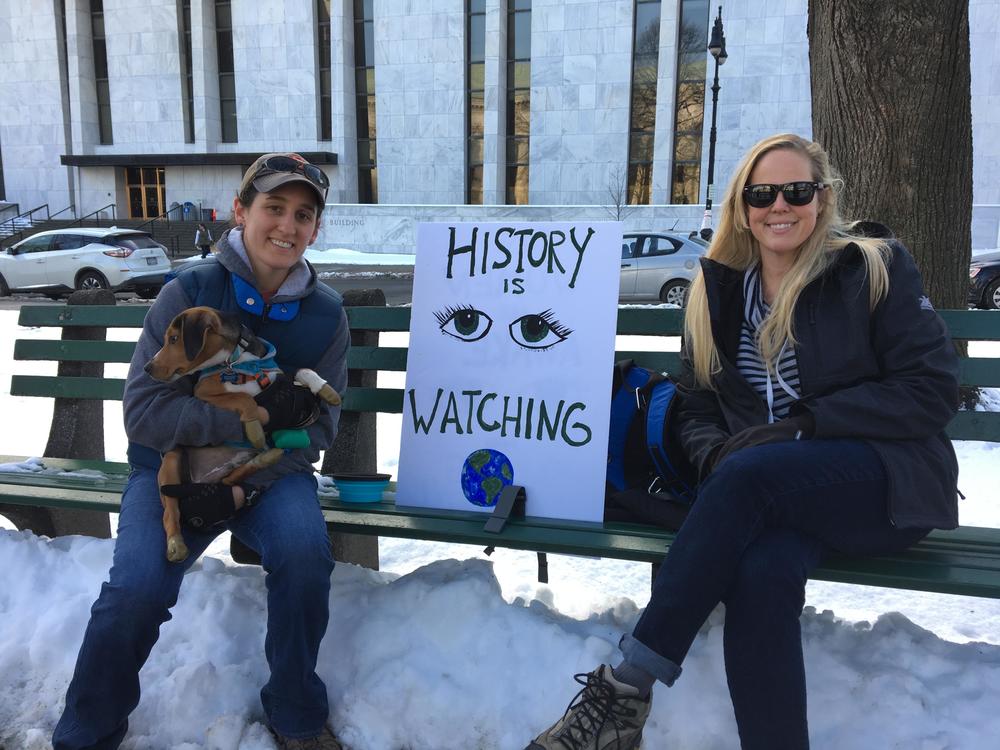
x: 891, y: 87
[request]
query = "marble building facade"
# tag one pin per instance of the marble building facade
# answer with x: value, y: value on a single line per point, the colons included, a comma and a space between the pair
x: 581, y: 68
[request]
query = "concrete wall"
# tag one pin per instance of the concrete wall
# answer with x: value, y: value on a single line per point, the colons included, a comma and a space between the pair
x: 581, y: 67
x: 984, y: 23
x: 392, y: 228
x: 764, y: 85
x: 144, y: 77
x: 420, y: 100
x: 31, y: 114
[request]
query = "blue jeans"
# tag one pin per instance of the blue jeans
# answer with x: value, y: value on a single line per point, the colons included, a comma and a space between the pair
x: 763, y: 520
x: 287, y: 528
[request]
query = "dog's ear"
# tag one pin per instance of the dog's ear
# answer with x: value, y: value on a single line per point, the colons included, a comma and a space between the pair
x: 193, y: 330
x: 229, y: 324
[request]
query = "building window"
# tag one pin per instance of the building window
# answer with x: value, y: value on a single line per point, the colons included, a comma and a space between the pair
x: 689, y: 113
x: 187, y: 81
x: 144, y: 187
x: 518, y: 99
x: 476, y: 76
x: 3, y: 190
x: 323, y: 70
x: 364, y: 69
x: 227, y: 70
x: 101, y: 72
x: 642, y: 118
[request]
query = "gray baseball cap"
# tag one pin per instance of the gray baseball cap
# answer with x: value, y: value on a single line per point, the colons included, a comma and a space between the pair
x: 271, y: 171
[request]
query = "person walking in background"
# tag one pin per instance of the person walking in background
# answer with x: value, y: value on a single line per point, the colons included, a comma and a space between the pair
x: 816, y: 386
x: 203, y: 240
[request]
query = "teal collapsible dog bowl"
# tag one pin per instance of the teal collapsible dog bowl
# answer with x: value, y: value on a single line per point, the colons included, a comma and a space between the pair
x: 361, y: 488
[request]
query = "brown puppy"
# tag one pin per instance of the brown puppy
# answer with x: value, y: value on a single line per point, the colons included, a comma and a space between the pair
x: 200, y: 339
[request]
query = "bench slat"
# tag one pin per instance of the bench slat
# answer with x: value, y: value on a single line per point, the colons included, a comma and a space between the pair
x: 112, y: 316
x: 976, y: 325
x: 972, y: 325
x: 649, y: 321
x: 105, y: 389
x: 379, y: 318
x: 977, y: 425
x: 982, y: 372
x: 57, y: 350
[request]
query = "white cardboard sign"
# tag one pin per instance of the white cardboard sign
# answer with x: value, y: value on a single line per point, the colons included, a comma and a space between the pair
x: 509, y: 368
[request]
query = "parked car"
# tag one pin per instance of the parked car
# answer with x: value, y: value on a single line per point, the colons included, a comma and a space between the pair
x: 984, y: 283
x: 659, y: 266
x: 61, y: 260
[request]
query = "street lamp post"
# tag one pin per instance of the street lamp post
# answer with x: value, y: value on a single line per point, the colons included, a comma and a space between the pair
x: 717, y: 48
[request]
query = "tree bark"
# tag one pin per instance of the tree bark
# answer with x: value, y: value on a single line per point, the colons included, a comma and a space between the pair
x: 891, y: 104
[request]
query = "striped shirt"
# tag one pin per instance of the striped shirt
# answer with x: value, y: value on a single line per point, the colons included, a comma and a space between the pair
x: 780, y: 390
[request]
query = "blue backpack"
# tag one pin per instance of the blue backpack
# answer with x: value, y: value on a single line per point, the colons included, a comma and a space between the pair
x: 645, y: 466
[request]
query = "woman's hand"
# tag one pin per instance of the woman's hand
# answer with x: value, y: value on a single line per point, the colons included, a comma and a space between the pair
x: 286, y: 406
x: 800, y: 427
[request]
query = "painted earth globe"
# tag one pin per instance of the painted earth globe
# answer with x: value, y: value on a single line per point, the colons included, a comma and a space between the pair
x: 484, y: 475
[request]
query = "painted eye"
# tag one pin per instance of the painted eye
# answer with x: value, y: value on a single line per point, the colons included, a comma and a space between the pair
x: 538, y: 331
x: 464, y: 323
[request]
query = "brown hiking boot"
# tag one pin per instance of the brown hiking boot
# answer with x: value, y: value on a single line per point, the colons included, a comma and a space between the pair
x: 325, y: 740
x: 605, y: 715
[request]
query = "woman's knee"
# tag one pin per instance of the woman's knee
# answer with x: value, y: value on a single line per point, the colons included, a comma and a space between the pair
x: 773, y: 571
x: 135, y: 601
x: 305, y: 556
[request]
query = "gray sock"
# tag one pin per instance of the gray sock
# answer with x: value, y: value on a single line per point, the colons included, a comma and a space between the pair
x: 635, y: 676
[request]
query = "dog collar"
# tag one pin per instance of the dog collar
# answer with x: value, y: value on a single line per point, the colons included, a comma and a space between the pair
x: 250, y: 343
x: 238, y: 370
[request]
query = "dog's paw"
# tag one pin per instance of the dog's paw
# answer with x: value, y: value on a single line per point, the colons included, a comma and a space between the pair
x: 329, y: 395
x: 255, y: 434
x: 177, y: 551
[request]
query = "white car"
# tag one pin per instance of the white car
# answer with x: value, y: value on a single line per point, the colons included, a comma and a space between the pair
x: 61, y: 260
x: 659, y: 266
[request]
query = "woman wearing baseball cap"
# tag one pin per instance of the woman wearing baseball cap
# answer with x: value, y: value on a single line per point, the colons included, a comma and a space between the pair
x: 258, y: 273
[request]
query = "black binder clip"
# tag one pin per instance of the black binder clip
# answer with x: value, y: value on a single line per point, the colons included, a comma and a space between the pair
x: 510, y: 505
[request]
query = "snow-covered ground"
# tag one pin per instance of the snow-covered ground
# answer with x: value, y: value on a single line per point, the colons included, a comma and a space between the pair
x: 446, y: 648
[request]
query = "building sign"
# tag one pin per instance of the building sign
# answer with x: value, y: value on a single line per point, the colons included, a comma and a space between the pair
x: 509, y: 368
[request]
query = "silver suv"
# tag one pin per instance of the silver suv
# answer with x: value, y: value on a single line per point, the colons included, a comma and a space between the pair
x: 61, y: 260
x: 659, y: 266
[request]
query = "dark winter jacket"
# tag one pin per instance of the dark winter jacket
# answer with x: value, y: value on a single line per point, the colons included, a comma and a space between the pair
x: 887, y: 376
x: 305, y: 322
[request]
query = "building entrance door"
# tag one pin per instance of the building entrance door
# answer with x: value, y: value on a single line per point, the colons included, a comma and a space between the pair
x: 145, y: 191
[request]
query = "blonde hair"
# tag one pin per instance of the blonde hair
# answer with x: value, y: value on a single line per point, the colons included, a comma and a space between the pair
x: 733, y: 245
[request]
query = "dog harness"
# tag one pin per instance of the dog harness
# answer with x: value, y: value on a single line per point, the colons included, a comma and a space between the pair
x: 256, y: 367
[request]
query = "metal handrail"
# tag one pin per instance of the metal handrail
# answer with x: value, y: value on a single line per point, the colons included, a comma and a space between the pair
x: 114, y: 216
x: 15, y: 233
x: 17, y: 208
x: 70, y: 207
x: 26, y: 213
x: 165, y: 216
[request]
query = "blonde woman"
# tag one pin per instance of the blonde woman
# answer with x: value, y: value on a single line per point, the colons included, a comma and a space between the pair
x: 818, y: 382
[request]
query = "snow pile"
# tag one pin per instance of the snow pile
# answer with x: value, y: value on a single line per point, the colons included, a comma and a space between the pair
x: 440, y: 659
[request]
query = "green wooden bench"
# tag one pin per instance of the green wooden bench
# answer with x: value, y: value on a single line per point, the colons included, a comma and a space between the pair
x: 963, y: 561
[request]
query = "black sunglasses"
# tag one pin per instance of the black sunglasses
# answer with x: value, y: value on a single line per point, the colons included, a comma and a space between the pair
x: 796, y: 193
x: 279, y: 164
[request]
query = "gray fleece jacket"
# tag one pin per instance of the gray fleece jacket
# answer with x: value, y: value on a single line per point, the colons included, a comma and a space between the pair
x: 162, y: 416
